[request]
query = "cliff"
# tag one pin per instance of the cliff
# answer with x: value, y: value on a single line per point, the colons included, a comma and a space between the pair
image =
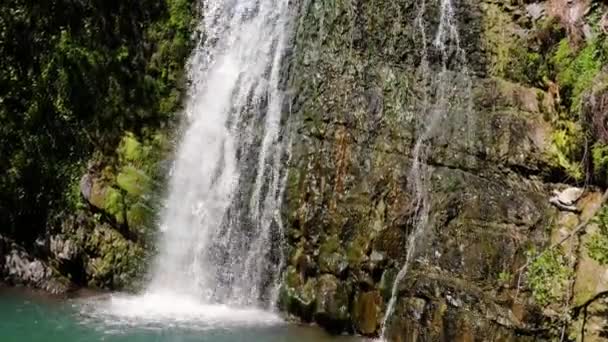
x: 478, y: 271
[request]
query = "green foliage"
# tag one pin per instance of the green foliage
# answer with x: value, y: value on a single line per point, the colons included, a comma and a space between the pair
x: 599, y: 154
x: 115, y: 262
x: 505, y: 278
x: 597, y: 247
x: 75, y: 75
x: 115, y: 205
x: 133, y: 181
x: 568, y: 147
x: 547, y: 275
x: 512, y: 56
x: 576, y: 70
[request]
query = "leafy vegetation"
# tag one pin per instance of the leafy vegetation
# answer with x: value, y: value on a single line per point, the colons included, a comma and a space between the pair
x: 598, y: 245
x: 576, y: 67
x: 547, y: 275
x: 568, y: 147
x: 75, y: 76
x: 576, y: 70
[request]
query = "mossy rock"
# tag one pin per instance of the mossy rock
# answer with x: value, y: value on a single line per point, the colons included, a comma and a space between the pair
x: 139, y: 217
x: 356, y: 252
x: 134, y: 181
x: 115, y: 261
x: 296, y: 296
x: 114, y: 205
x: 332, y: 257
x: 130, y: 149
x: 367, y: 312
x: 97, y: 195
x: 332, y: 304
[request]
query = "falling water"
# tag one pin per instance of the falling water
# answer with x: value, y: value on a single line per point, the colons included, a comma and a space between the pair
x: 446, y: 95
x: 221, y: 224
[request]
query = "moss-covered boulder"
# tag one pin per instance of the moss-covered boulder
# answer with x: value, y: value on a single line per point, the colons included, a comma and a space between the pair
x: 297, y: 297
x: 114, y: 261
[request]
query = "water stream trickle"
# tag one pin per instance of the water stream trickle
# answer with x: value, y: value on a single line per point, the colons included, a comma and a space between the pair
x: 446, y: 96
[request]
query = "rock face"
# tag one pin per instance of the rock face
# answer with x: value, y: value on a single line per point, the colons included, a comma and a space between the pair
x: 354, y: 79
x: 18, y: 267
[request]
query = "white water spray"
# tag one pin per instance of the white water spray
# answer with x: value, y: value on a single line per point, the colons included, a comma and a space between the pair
x: 220, y: 241
x: 443, y: 93
x: 222, y: 221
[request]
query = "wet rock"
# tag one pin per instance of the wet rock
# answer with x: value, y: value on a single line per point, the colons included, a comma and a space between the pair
x: 63, y: 248
x: 332, y: 304
x: 332, y: 258
x: 367, y: 312
x: 19, y: 267
x: 115, y: 261
x: 297, y: 297
x: 349, y: 197
x: 594, y: 322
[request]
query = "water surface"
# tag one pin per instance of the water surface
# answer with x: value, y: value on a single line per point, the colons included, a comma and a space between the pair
x: 32, y: 317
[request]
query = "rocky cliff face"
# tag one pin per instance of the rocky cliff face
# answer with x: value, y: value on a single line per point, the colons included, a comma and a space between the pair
x: 355, y: 81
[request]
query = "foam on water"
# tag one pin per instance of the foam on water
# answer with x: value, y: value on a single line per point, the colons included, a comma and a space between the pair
x: 158, y: 310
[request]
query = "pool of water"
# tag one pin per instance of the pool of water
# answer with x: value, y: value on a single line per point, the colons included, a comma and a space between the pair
x: 32, y: 317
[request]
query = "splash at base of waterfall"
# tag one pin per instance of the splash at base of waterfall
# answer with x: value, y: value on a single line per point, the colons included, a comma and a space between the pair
x: 33, y: 316
x: 158, y: 310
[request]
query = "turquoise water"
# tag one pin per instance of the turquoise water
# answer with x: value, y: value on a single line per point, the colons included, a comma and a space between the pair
x: 32, y: 317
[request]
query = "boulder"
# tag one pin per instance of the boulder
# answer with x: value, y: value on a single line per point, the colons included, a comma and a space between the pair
x: 367, y: 312
x: 332, y: 305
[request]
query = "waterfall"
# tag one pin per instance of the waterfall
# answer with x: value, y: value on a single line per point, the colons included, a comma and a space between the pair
x: 221, y: 227
x: 446, y: 96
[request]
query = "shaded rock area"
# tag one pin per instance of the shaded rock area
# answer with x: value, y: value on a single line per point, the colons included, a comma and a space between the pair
x: 105, y: 241
x: 355, y: 83
x: 18, y: 267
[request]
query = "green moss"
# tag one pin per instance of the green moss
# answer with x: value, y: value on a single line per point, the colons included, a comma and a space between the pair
x: 139, y: 217
x: 509, y: 53
x: 567, y: 148
x: 332, y: 257
x: 576, y: 70
x: 599, y: 154
x: 547, y: 275
x: 135, y: 182
x: 292, y: 278
x: 114, y: 204
x: 357, y: 250
x: 597, y: 247
x: 129, y: 149
x: 115, y: 262
x: 505, y: 278
x: 499, y: 38
x: 331, y: 244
